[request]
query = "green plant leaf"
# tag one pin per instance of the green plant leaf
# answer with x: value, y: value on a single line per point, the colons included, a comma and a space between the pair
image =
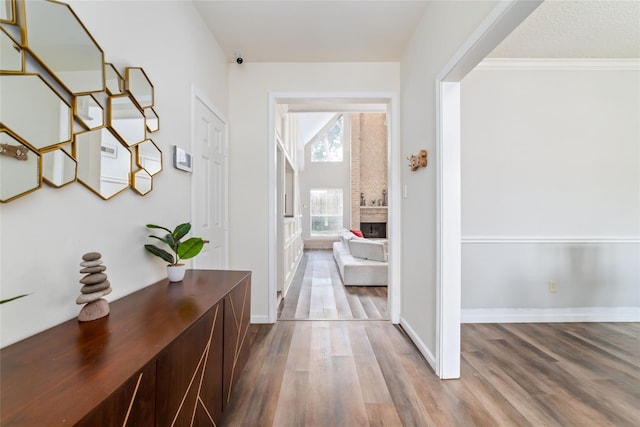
x: 181, y: 231
x: 161, y: 253
x: 11, y: 299
x: 158, y: 226
x: 190, y: 248
x: 159, y: 238
x: 172, y: 242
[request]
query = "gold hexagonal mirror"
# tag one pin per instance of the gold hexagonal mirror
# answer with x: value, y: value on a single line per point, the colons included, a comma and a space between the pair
x: 7, y: 11
x: 58, y: 168
x: 104, y: 163
x: 113, y: 80
x: 19, y: 167
x: 34, y: 111
x: 139, y: 86
x: 11, y: 55
x: 88, y: 111
x: 142, y: 182
x: 152, y: 120
x: 149, y: 157
x: 59, y: 41
x: 126, y: 119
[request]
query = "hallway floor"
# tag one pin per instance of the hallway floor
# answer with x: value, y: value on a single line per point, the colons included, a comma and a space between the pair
x: 368, y: 373
x: 317, y: 293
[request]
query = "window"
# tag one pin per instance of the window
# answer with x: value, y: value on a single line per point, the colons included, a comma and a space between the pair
x: 326, y: 211
x: 328, y: 146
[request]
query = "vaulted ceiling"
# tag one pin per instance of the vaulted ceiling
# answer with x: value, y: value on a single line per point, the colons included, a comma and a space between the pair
x: 377, y: 30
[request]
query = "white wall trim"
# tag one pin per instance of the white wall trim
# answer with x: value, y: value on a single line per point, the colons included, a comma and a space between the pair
x: 394, y: 160
x: 431, y: 360
x: 559, y: 64
x: 449, y: 214
x: 259, y: 319
x: 583, y: 240
x: 549, y: 315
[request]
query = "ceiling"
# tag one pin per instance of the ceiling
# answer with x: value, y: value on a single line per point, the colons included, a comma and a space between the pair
x: 313, y: 31
x: 576, y: 29
x: 378, y: 31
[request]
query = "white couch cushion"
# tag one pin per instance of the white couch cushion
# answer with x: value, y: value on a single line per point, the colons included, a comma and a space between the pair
x: 368, y: 249
x: 347, y: 236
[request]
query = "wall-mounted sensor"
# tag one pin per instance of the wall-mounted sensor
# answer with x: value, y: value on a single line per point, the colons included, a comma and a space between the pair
x: 239, y: 59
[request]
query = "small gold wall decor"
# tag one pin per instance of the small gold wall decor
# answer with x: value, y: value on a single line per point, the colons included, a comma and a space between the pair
x: 419, y: 161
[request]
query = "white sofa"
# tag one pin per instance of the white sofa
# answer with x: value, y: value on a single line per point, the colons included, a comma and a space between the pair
x: 361, y: 262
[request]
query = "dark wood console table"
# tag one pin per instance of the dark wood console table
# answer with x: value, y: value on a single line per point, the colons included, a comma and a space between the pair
x: 168, y: 354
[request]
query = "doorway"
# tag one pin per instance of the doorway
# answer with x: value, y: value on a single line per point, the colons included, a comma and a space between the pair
x: 209, y: 185
x: 339, y: 102
x: 496, y: 26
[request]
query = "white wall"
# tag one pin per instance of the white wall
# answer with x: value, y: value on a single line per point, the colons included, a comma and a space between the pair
x: 445, y: 26
x: 43, y: 235
x: 550, y: 189
x: 249, y: 87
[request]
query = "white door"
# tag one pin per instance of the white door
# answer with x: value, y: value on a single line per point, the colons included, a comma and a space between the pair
x: 209, y: 186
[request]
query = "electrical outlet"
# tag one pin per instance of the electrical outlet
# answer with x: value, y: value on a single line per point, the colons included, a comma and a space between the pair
x: 553, y: 286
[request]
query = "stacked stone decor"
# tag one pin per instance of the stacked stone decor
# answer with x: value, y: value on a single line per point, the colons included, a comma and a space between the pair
x: 95, y: 286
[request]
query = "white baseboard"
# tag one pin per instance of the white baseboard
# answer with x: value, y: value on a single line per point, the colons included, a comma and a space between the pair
x: 550, y: 315
x: 259, y: 319
x: 419, y: 343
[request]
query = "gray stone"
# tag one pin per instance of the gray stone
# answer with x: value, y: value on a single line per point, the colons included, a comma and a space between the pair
x: 96, y: 269
x: 92, y: 256
x: 91, y: 263
x: 94, y: 296
x: 89, y: 289
x: 94, y: 278
x: 94, y: 310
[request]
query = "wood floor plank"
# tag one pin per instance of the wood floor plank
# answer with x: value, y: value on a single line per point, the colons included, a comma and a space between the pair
x: 291, y: 406
x: 303, y: 303
x: 349, y: 369
x: 363, y: 373
x: 320, y: 377
x: 347, y: 401
x: 288, y: 311
x: 369, y: 373
x: 342, y: 304
x: 383, y: 415
x: 317, y: 293
x: 408, y: 405
x: 357, y: 310
x: 513, y: 392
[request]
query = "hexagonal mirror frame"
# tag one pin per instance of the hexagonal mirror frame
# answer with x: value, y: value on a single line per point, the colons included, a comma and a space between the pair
x: 104, y: 162
x: 122, y: 112
x: 59, y: 168
x: 60, y: 42
x: 17, y: 159
x: 27, y: 98
x: 142, y: 182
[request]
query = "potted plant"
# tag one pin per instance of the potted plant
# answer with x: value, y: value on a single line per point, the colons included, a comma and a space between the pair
x: 182, y: 250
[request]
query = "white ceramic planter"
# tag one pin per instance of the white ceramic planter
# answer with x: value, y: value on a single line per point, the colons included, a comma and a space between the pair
x: 176, y: 272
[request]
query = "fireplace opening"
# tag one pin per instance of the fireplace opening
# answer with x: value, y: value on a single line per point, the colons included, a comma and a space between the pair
x: 375, y: 230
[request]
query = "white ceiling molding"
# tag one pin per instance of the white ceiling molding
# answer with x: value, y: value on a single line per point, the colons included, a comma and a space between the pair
x: 561, y: 64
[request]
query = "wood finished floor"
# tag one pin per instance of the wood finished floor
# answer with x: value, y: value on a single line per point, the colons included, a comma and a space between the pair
x: 317, y: 293
x: 367, y: 373
x: 348, y: 369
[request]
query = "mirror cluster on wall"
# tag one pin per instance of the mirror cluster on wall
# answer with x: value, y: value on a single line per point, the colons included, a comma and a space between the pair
x: 66, y: 115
